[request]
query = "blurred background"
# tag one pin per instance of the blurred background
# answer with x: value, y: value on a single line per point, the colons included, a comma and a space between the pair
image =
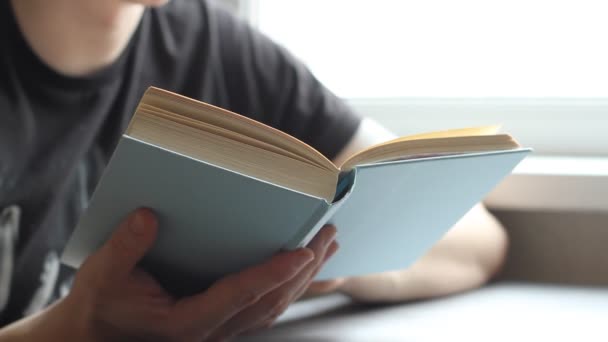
x: 536, y: 67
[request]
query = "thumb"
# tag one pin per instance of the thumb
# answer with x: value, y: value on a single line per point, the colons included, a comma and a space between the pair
x: 127, y: 245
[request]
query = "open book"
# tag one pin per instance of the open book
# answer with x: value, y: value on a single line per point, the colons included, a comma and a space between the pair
x: 230, y: 192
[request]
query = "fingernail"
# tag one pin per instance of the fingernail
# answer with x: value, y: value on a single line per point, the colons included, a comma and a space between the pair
x: 137, y: 224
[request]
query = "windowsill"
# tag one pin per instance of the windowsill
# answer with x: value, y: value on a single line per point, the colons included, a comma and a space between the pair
x: 554, y: 183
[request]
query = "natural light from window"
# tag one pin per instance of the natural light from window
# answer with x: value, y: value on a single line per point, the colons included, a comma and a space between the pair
x: 447, y: 48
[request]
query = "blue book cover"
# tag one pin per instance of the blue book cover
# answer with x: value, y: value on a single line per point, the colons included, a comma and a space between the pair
x: 215, y: 221
x: 397, y: 210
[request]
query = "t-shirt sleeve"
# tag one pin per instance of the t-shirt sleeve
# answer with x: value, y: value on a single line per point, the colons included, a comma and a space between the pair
x: 264, y: 81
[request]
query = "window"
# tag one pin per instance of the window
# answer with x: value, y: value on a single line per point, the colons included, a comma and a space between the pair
x: 537, y: 66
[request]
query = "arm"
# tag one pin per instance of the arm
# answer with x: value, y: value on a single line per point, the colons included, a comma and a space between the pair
x: 467, y: 257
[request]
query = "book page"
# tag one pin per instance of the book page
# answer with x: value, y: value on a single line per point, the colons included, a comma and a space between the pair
x: 459, y: 132
x: 179, y: 105
x: 203, y: 126
x: 236, y: 156
x: 475, y: 139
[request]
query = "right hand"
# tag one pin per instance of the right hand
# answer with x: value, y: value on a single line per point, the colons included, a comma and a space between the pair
x: 112, y: 299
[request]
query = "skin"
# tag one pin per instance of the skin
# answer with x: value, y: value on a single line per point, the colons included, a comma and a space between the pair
x: 113, y: 300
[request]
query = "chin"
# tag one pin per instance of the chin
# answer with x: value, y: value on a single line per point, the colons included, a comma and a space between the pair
x: 151, y: 3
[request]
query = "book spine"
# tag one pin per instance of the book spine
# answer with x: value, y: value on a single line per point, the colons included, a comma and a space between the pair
x: 322, y: 215
x: 309, y: 228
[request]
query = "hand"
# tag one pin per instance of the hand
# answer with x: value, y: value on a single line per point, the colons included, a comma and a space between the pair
x: 113, y: 300
x: 265, y: 313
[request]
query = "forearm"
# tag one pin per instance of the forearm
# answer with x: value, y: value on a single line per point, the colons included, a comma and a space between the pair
x: 467, y: 257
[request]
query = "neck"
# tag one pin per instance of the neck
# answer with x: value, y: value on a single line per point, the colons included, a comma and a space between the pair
x: 77, y: 37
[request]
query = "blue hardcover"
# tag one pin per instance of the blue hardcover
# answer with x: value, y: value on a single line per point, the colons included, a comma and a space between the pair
x: 215, y: 221
x: 398, y: 210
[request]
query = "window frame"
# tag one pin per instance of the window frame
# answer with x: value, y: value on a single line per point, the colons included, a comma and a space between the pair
x: 552, y: 126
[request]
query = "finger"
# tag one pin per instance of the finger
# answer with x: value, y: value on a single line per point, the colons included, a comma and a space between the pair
x: 127, y: 245
x: 317, y: 288
x: 274, y: 303
x: 230, y: 295
x: 303, y: 289
x: 325, y: 245
x: 314, y: 288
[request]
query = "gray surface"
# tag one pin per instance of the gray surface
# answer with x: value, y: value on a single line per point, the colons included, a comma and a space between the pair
x: 556, y: 247
x: 500, y: 312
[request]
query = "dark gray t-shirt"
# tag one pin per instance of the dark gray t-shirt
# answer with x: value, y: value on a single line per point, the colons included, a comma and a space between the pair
x: 57, y: 132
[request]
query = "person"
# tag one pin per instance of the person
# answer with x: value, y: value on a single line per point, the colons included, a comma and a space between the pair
x: 72, y: 74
